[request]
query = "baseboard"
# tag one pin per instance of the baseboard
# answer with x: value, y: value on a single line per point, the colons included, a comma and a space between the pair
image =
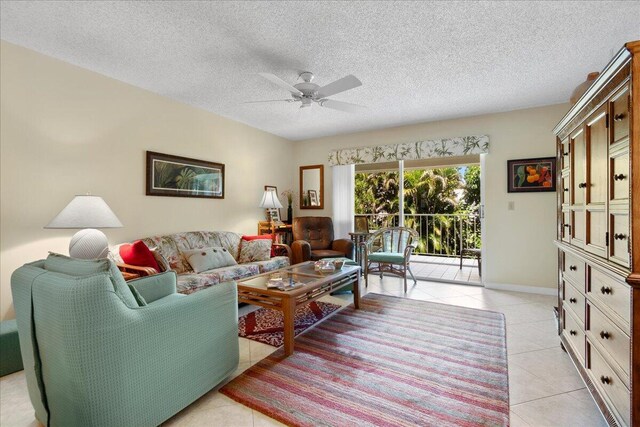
x: 521, y: 288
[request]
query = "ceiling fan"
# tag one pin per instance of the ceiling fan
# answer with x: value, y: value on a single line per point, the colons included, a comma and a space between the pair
x: 307, y: 93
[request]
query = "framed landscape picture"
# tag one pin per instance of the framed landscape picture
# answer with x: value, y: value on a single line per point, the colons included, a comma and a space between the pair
x: 176, y: 176
x: 531, y: 175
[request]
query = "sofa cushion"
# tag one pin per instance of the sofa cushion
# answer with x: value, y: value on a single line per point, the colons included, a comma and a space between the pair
x: 139, y: 298
x: 84, y: 267
x: 138, y: 254
x: 162, y: 261
x: 272, y: 264
x: 188, y: 283
x: 235, y: 272
x: 263, y: 237
x: 225, y: 239
x: 166, y: 245
x: 152, y: 288
x: 208, y: 258
x: 255, y: 250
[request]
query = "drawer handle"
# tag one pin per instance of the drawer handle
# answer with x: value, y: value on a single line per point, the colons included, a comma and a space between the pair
x: 605, y: 290
x: 582, y: 185
x: 572, y: 332
x: 618, y: 117
x: 565, y: 154
x: 605, y: 380
x: 566, y: 189
x: 619, y: 236
x: 566, y: 225
x: 605, y: 335
x: 619, y: 177
x: 573, y: 300
x: 573, y: 268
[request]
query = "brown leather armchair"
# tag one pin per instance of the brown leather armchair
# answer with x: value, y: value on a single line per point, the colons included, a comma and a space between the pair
x: 313, y: 240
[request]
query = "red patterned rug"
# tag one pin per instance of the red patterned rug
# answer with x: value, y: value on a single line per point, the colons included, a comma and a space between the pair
x: 266, y: 325
x: 394, y: 362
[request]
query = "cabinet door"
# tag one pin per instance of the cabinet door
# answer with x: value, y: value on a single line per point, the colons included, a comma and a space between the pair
x: 619, y: 177
x: 577, y: 189
x: 578, y: 158
x: 597, y: 160
x: 620, y: 103
x: 564, y: 146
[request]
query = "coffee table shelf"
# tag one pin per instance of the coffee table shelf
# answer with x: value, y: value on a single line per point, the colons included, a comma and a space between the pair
x: 316, y: 285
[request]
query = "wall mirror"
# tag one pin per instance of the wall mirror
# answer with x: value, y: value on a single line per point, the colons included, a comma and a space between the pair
x: 312, y: 187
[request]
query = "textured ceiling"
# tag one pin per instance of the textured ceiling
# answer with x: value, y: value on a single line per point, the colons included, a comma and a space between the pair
x: 418, y: 62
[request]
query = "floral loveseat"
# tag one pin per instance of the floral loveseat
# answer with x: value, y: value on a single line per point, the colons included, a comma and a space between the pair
x: 170, y: 248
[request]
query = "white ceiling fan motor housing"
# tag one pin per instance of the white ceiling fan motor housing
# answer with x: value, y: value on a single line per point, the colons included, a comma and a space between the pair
x: 308, y: 89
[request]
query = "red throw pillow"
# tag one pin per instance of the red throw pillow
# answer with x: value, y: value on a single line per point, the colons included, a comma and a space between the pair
x: 261, y: 236
x: 138, y: 254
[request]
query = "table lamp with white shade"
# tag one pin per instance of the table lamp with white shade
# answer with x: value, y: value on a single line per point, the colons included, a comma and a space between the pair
x: 270, y: 200
x: 89, y: 213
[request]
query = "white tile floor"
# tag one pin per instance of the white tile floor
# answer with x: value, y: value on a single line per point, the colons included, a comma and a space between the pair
x: 437, y: 268
x: 545, y: 389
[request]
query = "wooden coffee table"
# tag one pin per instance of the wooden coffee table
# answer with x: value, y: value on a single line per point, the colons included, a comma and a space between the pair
x: 316, y: 285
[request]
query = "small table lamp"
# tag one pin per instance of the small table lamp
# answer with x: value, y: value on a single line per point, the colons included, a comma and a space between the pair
x: 270, y: 200
x: 87, y: 212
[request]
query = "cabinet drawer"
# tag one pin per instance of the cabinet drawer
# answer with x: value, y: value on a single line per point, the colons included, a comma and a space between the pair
x: 611, y: 338
x: 620, y: 177
x: 612, y: 294
x: 620, y: 115
x: 619, y: 238
x: 573, y: 269
x: 575, y: 301
x: 574, y: 333
x: 610, y: 385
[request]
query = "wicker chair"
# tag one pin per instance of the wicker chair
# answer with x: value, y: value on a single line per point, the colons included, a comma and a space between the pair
x: 389, y: 250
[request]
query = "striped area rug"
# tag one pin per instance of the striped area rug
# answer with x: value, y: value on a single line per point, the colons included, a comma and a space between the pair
x: 394, y: 362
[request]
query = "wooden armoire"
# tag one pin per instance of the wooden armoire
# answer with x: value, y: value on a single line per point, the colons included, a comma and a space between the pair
x: 598, y: 182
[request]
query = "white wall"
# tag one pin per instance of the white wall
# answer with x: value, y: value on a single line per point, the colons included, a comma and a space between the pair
x: 65, y: 131
x: 517, y: 244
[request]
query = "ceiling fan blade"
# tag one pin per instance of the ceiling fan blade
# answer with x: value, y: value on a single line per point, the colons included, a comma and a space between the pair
x: 269, y: 100
x: 277, y: 80
x: 340, y: 85
x: 342, y: 106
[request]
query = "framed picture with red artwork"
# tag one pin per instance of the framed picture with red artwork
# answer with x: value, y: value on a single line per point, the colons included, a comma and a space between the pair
x: 531, y: 175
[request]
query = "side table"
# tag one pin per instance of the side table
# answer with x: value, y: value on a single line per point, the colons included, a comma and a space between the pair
x: 357, y: 238
x: 282, y: 233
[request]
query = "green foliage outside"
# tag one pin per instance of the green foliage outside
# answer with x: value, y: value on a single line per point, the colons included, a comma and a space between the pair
x: 426, y: 191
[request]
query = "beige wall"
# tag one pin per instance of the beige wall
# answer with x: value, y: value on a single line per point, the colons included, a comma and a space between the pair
x: 518, y: 248
x: 67, y: 131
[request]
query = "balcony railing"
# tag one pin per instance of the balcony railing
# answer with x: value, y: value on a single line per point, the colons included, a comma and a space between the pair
x: 440, y: 234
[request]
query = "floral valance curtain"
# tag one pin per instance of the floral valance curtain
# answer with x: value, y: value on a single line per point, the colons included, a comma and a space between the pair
x: 445, y: 147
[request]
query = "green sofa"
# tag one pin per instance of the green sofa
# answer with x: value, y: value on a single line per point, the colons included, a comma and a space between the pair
x: 94, y: 356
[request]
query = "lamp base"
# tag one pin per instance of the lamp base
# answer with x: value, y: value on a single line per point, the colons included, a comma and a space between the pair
x: 89, y: 244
